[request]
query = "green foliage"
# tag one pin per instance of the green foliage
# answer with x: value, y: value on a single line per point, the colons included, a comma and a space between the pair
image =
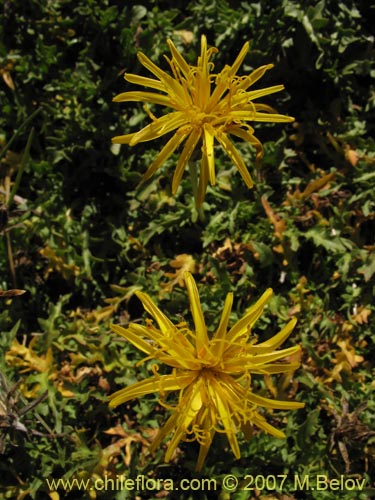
x: 81, y: 232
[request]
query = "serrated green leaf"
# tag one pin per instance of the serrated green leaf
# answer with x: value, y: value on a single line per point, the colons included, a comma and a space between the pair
x: 323, y: 237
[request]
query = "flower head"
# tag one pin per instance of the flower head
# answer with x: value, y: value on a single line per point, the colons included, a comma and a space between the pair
x: 207, y: 107
x: 212, y: 374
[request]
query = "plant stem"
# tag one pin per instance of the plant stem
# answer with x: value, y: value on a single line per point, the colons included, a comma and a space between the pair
x: 194, y: 186
x: 19, y: 130
x: 25, y: 157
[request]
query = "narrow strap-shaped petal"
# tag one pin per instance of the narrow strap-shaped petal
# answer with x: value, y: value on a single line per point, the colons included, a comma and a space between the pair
x: 203, y: 450
x: 222, y: 85
x: 188, y: 410
x: 137, y: 341
x: 203, y: 181
x: 250, y: 138
x: 275, y: 341
x: 254, y: 77
x: 123, y: 139
x: 151, y: 385
x: 177, y: 351
x: 264, y: 107
x: 218, y: 342
x: 167, y: 428
x: 244, y: 325
x: 240, y: 58
x: 179, y: 60
x: 164, y: 323
x: 269, y: 357
x: 141, y: 96
x: 159, y: 127
x: 255, y: 94
x: 145, y: 82
x: 257, y: 364
x: 201, y: 337
x: 185, y: 155
x: 165, y: 153
x: 225, y: 415
x: 275, y: 368
x: 262, y: 423
x: 261, y: 117
x: 274, y: 404
x: 235, y: 156
x: 174, y: 87
x: 208, y: 150
x: 202, y: 76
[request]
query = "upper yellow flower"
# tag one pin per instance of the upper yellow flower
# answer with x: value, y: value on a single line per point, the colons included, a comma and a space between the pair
x: 212, y: 375
x: 208, y: 106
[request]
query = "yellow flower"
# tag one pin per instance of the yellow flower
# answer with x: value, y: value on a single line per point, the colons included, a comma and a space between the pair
x: 207, y: 107
x: 211, y: 374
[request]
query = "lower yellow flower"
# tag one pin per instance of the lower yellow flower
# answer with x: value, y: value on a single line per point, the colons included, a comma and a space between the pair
x: 211, y: 374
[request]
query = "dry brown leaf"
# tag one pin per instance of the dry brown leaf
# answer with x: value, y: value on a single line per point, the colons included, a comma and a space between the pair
x: 351, y: 156
x: 183, y: 262
x: 317, y: 185
x: 344, y: 361
x: 361, y: 315
x: 7, y: 77
x: 27, y: 359
x: 11, y: 293
x: 57, y: 264
x: 187, y: 37
x: 349, y: 353
x: 276, y: 220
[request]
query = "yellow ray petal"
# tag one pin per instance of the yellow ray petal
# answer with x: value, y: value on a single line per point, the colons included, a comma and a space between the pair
x: 266, y: 117
x: 203, y: 450
x: 178, y: 352
x: 254, y: 77
x: 185, y: 155
x: 275, y: 341
x: 123, y: 139
x: 167, y: 428
x: 179, y: 60
x: 151, y: 385
x: 250, y: 138
x: 273, y: 404
x: 203, y: 181
x: 159, y: 127
x: 208, y: 430
x: 164, y: 323
x: 219, y: 340
x: 240, y: 58
x: 271, y: 356
x: 188, y: 409
x: 262, y: 423
x: 165, y: 153
x: 174, y: 87
x: 255, y: 364
x: 145, y: 82
x: 222, y: 84
x: 201, y: 336
x: 235, y: 156
x: 276, y: 368
x: 255, y: 94
x: 143, y: 97
x: 264, y: 107
x: 202, y: 79
x: 141, y: 344
x: 244, y: 325
x: 208, y: 151
x: 225, y: 416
